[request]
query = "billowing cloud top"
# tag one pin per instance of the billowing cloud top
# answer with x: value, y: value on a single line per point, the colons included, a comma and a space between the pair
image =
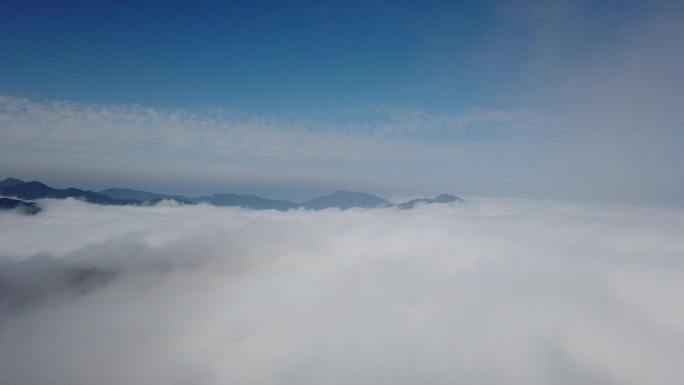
x: 491, y: 291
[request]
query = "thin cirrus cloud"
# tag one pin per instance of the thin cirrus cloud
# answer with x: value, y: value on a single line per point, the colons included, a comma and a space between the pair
x: 490, y: 291
x: 50, y: 136
x: 72, y: 123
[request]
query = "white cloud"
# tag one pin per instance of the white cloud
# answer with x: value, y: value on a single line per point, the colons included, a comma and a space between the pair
x: 491, y: 291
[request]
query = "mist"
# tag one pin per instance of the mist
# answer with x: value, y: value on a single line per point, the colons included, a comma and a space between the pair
x: 491, y: 291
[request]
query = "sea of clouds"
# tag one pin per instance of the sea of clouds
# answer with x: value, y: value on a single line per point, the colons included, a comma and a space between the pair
x: 486, y: 292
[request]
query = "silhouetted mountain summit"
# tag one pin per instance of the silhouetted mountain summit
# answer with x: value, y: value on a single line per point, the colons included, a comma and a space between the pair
x: 28, y: 190
x: 16, y: 204
x: 10, y: 182
x: 345, y: 200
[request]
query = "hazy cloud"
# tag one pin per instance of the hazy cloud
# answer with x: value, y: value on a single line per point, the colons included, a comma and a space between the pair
x: 490, y: 291
x: 110, y: 143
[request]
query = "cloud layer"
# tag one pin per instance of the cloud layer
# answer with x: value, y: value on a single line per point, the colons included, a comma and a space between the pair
x: 491, y: 291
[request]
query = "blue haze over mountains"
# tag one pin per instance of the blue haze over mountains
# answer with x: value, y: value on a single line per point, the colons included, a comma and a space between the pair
x: 341, y: 199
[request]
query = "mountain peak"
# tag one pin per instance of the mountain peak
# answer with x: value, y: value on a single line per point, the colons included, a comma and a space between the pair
x: 29, y: 190
x: 10, y: 182
x: 19, y: 205
x: 344, y: 200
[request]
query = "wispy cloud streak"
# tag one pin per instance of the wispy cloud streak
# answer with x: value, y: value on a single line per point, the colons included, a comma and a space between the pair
x: 355, y: 149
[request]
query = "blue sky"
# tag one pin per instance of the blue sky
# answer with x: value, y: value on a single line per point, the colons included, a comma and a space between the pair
x: 262, y: 56
x: 576, y: 100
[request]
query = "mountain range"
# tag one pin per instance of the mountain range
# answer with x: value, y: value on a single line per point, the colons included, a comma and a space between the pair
x: 27, y: 191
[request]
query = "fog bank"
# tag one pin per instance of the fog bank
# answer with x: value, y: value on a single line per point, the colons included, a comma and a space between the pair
x: 487, y: 292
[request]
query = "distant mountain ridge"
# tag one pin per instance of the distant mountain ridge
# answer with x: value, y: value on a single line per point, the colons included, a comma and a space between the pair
x: 231, y: 200
x: 36, y: 190
x: 142, y: 196
x: 443, y: 198
x: 340, y: 199
x: 247, y: 201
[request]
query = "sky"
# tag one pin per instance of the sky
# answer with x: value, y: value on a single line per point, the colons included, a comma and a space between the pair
x: 568, y: 100
x: 490, y: 291
x: 558, y: 122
